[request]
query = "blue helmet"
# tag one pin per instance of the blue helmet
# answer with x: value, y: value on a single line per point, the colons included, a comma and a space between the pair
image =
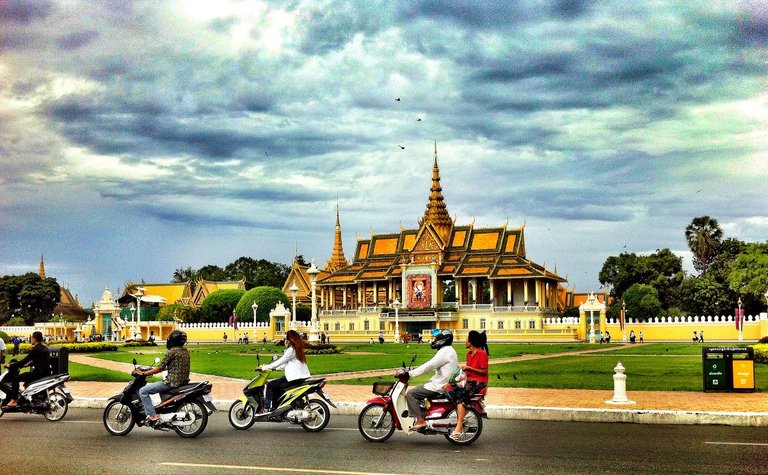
x: 441, y: 338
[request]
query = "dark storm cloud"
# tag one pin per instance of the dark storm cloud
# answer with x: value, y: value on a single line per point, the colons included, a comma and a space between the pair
x: 330, y: 29
x: 24, y: 11
x: 479, y: 14
x: 77, y: 40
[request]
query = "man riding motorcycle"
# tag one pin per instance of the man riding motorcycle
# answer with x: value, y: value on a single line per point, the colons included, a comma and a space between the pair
x: 445, y: 362
x: 176, y: 361
x: 40, y: 357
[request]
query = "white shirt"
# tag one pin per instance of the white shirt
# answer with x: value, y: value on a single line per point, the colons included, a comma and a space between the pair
x: 294, y: 369
x: 2, y: 345
x: 444, y: 363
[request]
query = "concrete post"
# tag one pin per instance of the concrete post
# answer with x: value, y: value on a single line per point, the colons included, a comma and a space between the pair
x: 619, y: 387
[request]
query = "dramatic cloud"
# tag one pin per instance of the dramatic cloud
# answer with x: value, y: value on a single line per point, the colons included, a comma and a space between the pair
x: 147, y: 136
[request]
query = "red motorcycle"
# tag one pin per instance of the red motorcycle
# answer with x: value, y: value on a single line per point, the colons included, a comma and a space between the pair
x: 389, y: 412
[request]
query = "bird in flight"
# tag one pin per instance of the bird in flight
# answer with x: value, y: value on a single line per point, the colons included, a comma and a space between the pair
x: 401, y: 147
x: 418, y: 119
x: 397, y: 99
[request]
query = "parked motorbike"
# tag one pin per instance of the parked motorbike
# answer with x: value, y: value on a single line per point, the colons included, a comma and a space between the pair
x: 184, y: 409
x: 294, y: 406
x: 388, y: 411
x: 47, y: 396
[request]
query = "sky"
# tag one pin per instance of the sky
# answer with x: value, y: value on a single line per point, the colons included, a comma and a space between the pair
x: 138, y: 137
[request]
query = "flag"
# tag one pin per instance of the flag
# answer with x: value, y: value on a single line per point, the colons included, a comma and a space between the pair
x: 621, y: 320
x: 233, y: 321
x: 738, y: 317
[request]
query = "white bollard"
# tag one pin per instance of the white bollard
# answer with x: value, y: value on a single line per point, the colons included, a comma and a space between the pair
x: 619, y: 387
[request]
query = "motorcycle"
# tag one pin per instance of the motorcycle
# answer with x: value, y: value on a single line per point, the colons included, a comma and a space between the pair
x: 47, y: 396
x: 294, y: 406
x: 388, y: 411
x: 184, y: 409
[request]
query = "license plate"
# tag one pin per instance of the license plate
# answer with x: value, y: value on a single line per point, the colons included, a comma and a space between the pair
x: 207, y: 398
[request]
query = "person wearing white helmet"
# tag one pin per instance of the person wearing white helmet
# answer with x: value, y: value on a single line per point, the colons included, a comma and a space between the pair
x: 445, y: 362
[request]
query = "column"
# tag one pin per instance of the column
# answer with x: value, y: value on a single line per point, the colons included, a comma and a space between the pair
x: 474, y: 289
x: 509, y: 292
x: 525, y: 292
x: 344, y: 296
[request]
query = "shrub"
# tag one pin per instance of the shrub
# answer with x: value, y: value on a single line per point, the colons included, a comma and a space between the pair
x: 5, y: 337
x: 219, y: 305
x: 77, y: 347
x: 761, y: 352
x: 321, y: 350
x: 177, y: 310
x: 136, y: 343
x: 266, y: 298
x: 763, y: 339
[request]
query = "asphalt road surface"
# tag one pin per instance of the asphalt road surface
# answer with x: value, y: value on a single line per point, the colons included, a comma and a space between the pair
x: 80, y: 445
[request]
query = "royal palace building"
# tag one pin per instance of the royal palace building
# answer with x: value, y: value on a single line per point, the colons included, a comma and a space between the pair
x: 438, y: 275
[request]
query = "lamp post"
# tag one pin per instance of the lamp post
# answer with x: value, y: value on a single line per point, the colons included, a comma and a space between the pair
x: 313, y: 271
x: 294, y: 290
x: 766, y: 297
x: 741, y: 322
x: 396, y: 305
x: 255, y: 307
x: 623, y: 321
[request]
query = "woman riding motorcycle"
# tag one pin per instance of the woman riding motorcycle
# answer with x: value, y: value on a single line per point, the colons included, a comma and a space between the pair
x: 293, y: 361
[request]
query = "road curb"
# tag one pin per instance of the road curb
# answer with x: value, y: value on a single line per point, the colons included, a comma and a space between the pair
x: 629, y: 416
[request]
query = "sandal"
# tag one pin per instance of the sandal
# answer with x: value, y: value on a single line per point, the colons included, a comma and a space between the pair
x: 456, y: 435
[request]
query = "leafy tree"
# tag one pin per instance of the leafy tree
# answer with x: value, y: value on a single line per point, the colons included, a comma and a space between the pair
x: 219, y: 305
x: 16, y: 322
x: 703, y: 236
x: 4, y: 336
x: 29, y: 297
x: 705, y: 295
x: 642, y: 302
x: 663, y: 270
x: 184, y: 275
x: 266, y: 298
x: 173, y: 311
x: 258, y: 273
x: 212, y: 272
x: 749, y: 276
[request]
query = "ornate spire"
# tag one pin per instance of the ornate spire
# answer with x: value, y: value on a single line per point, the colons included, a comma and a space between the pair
x: 437, y: 213
x: 337, y: 260
x: 42, y: 267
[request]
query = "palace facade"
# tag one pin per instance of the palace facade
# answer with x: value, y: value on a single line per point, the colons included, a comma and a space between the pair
x: 439, y: 274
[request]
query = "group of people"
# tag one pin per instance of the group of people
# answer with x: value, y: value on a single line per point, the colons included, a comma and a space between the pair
x: 698, y: 337
x: 294, y: 364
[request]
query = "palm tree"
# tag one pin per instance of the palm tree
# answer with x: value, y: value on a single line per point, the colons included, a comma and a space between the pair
x: 703, y: 236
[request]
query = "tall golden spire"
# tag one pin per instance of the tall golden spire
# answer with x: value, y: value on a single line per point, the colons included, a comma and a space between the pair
x: 337, y: 260
x: 42, y: 268
x: 437, y: 212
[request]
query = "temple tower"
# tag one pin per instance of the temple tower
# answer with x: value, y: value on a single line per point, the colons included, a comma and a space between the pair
x: 42, y: 268
x: 337, y: 260
x: 437, y: 212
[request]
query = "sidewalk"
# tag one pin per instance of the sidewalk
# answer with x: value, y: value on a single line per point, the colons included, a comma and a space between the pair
x: 651, y: 407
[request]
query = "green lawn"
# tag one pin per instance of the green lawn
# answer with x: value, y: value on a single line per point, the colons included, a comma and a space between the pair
x: 81, y: 372
x: 650, y: 366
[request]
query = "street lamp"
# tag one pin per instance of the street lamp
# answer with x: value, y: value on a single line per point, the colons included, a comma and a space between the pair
x: 623, y: 321
x: 741, y: 322
x: 313, y: 272
x: 255, y: 307
x: 396, y: 305
x: 133, y: 312
x: 294, y: 290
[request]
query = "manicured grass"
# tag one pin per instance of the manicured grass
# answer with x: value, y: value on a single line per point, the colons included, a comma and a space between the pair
x: 81, y: 372
x: 650, y: 366
x: 238, y: 361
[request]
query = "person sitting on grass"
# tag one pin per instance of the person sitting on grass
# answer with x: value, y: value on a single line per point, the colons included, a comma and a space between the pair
x: 476, y: 369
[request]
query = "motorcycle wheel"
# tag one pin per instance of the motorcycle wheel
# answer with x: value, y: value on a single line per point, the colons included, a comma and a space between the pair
x: 241, y: 415
x: 118, y: 418
x: 366, y: 423
x: 201, y: 420
x: 473, y: 427
x: 319, y: 418
x: 58, y: 407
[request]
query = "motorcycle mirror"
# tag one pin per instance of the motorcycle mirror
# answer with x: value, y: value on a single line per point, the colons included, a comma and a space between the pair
x: 275, y: 357
x: 134, y: 362
x: 157, y: 359
x: 258, y: 360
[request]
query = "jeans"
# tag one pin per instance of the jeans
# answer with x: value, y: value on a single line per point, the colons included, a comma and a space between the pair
x: 146, y: 400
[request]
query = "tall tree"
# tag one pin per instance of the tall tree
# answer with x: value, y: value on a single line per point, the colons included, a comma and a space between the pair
x: 749, y: 276
x: 29, y: 297
x: 703, y: 236
x: 257, y: 273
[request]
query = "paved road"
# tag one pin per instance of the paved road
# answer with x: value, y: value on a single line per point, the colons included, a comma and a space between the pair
x: 80, y: 445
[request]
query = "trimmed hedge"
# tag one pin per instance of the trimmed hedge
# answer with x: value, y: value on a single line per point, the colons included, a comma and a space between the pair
x: 321, y: 350
x: 76, y: 347
x: 135, y: 343
x: 761, y: 353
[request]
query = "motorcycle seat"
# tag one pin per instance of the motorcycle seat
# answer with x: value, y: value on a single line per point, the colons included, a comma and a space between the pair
x: 182, y: 388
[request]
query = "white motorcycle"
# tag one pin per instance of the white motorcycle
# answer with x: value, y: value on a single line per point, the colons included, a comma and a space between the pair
x: 47, y: 396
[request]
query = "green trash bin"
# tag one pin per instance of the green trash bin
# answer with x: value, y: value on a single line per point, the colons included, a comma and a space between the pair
x: 728, y: 369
